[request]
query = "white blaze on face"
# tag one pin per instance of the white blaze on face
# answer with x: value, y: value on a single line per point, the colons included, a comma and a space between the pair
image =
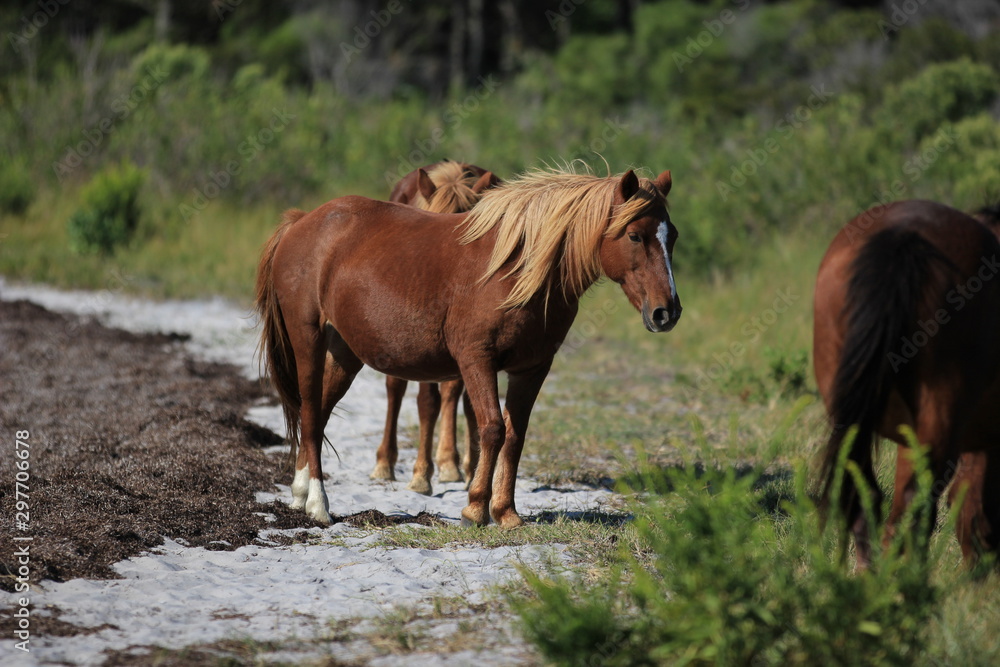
x: 661, y: 234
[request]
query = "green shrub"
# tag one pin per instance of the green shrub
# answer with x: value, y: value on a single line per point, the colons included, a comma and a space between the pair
x: 17, y: 188
x: 965, y: 160
x: 606, y: 79
x: 915, y: 47
x: 110, y: 212
x: 719, y: 577
x: 940, y: 93
x: 171, y: 62
x: 788, y: 369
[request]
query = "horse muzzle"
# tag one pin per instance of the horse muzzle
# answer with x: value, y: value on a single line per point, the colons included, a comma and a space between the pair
x: 662, y: 318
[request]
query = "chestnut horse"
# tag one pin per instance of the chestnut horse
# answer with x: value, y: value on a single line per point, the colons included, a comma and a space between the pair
x: 906, y: 315
x: 432, y: 297
x: 444, y: 187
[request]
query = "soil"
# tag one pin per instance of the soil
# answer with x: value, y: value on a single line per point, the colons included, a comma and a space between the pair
x: 130, y: 440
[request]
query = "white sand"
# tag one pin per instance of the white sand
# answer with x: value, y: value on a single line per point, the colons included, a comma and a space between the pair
x: 179, y: 596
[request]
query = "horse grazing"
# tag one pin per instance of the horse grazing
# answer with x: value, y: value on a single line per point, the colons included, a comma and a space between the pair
x: 432, y: 297
x: 906, y: 313
x: 444, y: 187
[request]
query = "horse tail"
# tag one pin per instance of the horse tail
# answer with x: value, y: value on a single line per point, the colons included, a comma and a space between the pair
x: 889, y: 279
x: 274, y: 350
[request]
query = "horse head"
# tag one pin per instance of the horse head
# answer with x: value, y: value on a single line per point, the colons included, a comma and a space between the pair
x: 639, y: 257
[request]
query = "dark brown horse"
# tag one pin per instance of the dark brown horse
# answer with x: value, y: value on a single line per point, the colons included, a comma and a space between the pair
x: 443, y: 187
x: 907, y: 310
x: 433, y: 297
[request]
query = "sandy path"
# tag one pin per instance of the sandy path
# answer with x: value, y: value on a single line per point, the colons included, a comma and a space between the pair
x: 178, y: 596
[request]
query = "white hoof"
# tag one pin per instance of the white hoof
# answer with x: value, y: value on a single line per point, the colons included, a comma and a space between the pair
x: 317, y: 505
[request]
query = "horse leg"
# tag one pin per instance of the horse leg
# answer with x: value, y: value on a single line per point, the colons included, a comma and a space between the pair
x: 522, y: 390
x: 905, y: 487
x: 942, y: 468
x: 385, y: 457
x: 481, y: 383
x: 972, y: 526
x: 307, y: 485
x: 428, y: 407
x: 471, y: 458
x: 321, y: 390
x: 977, y: 484
x: 447, y: 452
x: 857, y: 520
x: 987, y: 534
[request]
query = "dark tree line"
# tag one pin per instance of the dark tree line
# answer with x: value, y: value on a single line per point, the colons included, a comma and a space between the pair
x: 361, y: 47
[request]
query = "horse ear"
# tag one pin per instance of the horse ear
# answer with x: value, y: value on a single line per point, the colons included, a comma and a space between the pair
x: 425, y: 185
x: 663, y: 182
x: 485, y: 182
x: 628, y: 186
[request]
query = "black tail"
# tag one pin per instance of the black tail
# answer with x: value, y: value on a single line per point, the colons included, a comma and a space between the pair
x: 890, y: 279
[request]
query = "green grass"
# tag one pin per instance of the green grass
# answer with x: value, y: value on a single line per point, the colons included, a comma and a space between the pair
x: 213, y: 254
x: 592, y: 538
x: 723, y: 571
x: 716, y: 388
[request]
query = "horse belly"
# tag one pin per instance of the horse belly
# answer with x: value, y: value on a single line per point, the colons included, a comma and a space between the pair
x: 411, y: 348
x: 414, y: 359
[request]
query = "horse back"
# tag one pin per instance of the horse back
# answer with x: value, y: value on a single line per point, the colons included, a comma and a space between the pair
x: 944, y: 344
x: 406, y: 296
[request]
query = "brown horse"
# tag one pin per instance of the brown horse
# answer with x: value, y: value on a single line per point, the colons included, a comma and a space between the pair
x: 907, y: 307
x: 443, y: 187
x: 433, y: 297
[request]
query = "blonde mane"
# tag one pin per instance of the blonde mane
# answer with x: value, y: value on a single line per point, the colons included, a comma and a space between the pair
x: 454, y: 193
x: 552, y: 218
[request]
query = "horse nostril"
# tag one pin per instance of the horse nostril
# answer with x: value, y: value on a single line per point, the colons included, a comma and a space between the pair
x: 660, y: 316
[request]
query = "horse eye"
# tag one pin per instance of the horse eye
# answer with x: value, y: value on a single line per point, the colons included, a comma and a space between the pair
x: 633, y: 237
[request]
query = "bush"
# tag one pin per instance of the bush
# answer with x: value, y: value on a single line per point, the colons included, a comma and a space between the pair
x: 720, y: 577
x: 944, y: 92
x: 17, y: 189
x: 969, y: 166
x: 110, y: 211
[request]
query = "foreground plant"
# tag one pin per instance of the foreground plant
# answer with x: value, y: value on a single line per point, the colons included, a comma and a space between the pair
x: 723, y: 576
